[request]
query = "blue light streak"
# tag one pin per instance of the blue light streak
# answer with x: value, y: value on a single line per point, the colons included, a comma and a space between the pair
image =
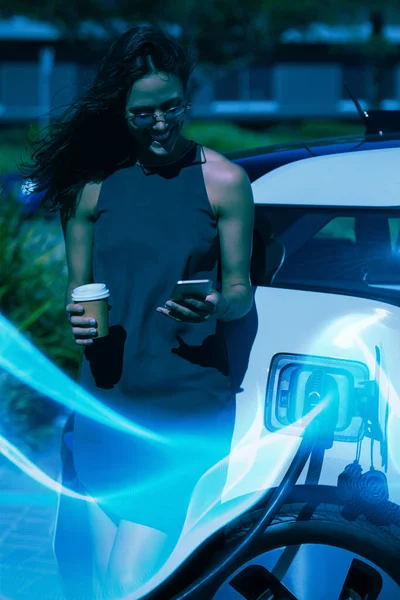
x: 254, y: 464
x: 21, y: 359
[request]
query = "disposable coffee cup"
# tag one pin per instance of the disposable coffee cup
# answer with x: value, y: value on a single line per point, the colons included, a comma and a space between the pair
x: 94, y: 299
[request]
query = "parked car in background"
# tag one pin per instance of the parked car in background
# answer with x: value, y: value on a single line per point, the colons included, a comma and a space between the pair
x: 12, y: 184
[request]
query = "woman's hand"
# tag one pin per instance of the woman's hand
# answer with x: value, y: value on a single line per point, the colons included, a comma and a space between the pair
x: 83, y: 328
x: 193, y: 310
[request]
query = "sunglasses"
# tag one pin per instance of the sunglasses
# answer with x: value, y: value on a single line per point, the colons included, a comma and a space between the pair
x: 172, y: 115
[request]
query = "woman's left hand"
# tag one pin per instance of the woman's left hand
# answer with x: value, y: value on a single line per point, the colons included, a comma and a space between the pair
x: 192, y: 310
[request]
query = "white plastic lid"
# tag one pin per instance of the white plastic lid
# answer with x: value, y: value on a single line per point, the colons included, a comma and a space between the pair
x: 91, y: 291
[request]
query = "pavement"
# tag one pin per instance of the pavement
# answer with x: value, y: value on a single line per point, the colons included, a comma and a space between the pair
x: 28, y: 569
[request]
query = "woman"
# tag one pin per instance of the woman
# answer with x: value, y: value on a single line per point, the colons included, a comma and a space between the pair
x: 141, y: 208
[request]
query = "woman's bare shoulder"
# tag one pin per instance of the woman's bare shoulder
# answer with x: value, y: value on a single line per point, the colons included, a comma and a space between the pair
x: 224, y: 180
x: 221, y: 169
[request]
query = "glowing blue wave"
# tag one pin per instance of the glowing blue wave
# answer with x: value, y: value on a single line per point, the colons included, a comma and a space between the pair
x: 29, y: 468
x: 254, y: 463
x: 21, y: 359
x: 208, y: 512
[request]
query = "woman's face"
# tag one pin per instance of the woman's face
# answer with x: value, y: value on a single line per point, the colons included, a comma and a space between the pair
x: 155, y: 93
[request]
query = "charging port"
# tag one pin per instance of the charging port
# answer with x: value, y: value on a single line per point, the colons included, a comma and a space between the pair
x: 295, y: 385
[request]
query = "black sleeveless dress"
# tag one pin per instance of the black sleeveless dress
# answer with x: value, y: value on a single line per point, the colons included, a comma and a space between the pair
x: 152, y: 229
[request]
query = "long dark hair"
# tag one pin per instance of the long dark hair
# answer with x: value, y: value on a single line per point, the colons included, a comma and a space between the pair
x: 91, y: 139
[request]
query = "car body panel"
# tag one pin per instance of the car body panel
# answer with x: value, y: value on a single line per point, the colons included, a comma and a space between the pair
x: 329, y: 326
x: 259, y: 161
x: 360, y: 179
x: 320, y: 324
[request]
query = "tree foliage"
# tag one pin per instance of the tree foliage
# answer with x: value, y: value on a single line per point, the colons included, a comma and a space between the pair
x: 222, y: 27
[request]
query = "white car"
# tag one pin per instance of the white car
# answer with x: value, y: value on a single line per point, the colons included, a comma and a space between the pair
x: 326, y: 327
x: 334, y: 301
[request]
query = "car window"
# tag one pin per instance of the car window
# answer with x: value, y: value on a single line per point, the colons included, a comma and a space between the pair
x: 334, y: 249
x: 394, y: 227
x: 339, y: 228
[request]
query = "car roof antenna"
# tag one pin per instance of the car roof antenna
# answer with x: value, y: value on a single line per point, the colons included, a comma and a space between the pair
x: 365, y: 117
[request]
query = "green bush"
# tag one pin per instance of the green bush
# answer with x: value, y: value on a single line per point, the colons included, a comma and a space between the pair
x: 32, y: 286
x: 224, y: 136
x: 13, y: 147
x: 325, y: 129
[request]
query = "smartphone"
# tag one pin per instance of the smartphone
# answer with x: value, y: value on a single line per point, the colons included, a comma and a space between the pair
x: 194, y: 288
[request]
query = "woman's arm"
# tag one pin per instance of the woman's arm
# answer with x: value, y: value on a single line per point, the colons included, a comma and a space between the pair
x: 231, y: 197
x: 235, y: 209
x: 78, y: 235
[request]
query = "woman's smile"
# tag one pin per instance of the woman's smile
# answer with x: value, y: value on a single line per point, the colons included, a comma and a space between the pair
x: 161, y: 137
